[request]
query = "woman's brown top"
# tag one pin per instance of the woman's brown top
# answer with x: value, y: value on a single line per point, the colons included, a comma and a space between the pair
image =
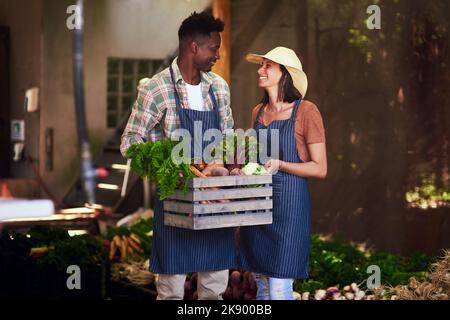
x: 309, y: 127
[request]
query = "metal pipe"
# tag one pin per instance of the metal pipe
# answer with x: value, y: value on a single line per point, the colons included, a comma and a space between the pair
x: 87, y: 170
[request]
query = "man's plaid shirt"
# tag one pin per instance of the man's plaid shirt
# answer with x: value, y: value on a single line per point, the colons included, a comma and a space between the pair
x: 154, y: 115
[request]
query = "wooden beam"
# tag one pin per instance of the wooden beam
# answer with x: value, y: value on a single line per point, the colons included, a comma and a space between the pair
x: 221, y: 10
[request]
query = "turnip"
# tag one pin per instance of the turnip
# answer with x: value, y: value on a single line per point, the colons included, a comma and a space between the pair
x: 336, y: 296
x: 349, y: 296
x: 359, y: 295
x: 332, y: 292
x: 320, y: 294
x: 354, y: 287
x: 305, y: 295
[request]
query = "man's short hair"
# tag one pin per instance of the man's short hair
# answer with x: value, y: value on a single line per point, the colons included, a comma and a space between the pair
x: 199, y: 24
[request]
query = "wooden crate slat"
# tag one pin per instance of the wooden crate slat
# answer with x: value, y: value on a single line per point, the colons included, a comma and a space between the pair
x: 235, y: 193
x: 249, y: 202
x: 180, y: 207
x: 225, y: 181
x: 176, y: 220
x: 221, y: 221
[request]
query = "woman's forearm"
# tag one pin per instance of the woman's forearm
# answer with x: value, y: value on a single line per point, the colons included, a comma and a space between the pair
x: 309, y: 169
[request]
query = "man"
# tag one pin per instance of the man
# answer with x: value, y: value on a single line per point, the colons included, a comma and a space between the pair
x: 178, y: 96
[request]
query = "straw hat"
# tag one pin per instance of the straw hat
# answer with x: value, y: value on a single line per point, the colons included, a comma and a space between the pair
x: 287, y: 58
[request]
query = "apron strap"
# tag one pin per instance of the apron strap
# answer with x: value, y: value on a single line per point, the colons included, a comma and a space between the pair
x: 175, y: 92
x: 215, y: 104
x: 295, y: 110
x: 258, y: 115
x: 211, y: 94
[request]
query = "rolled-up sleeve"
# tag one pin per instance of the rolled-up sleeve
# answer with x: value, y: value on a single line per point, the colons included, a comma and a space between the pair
x: 226, y: 112
x: 145, y: 115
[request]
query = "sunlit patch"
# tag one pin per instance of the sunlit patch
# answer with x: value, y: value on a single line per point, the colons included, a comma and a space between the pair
x: 400, y: 96
x: 108, y: 186
x: 428, y: 196
x: 77, y: 210
x: 73, y: 233
x: 354, y: 138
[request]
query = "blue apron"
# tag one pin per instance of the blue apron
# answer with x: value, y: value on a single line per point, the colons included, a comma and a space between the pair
x: 281, y: 249
x: 177, y: 250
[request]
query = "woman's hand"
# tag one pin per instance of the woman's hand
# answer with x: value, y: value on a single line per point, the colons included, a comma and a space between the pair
x: 273, y: 165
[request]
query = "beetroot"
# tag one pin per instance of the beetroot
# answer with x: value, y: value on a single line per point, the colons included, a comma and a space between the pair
x: 249, y: 296
x: 220, y: 171
x: 194, y: 281
x: 237, y: 172
x: 188, y: 290
x: 238, y: 293
x: 228, y: 294
x: 235, y: 278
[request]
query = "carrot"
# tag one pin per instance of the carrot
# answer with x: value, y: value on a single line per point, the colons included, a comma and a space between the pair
x: 195, y: 171
x: 112, y: 250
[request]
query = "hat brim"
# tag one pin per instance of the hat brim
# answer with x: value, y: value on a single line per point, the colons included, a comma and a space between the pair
x: 254, y: 58
x: 300, y: 80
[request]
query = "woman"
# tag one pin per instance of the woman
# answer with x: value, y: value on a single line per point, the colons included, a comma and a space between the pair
x: 278, y: 253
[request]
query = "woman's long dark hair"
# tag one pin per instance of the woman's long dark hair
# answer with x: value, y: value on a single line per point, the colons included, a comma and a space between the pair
x: 286, y: 90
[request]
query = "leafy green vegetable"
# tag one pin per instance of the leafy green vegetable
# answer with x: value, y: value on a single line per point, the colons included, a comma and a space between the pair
x: 82, y: 250
x: 153, y: 160
x: 117, y: 231
x: 339, y: 262
x: 64, y: 250
x: 41, y: 235
x: 142, y: 230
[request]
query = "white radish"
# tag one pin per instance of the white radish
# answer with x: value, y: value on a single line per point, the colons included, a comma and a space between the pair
x: 349, y: 296
x: 360, y: 295
x: 354, y: 287
x: 320, y: 294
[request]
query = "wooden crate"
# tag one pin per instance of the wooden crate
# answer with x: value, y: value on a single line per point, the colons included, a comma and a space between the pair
x: 250, y: 203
